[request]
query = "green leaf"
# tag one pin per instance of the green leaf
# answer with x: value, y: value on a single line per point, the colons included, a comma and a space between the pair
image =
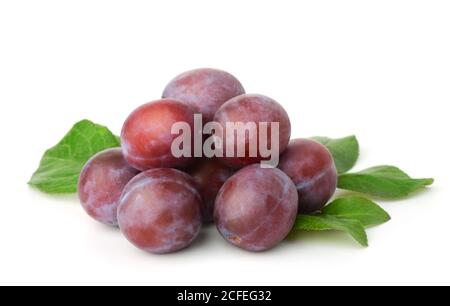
x: 61, y: 165
x: 326, y: 223
x: 357, y: 208
x: 118, y: 139
x: 345, y: 151
x: 384, y: 181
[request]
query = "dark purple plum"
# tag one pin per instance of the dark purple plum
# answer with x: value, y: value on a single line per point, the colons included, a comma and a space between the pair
x: 311, y: 167
x: 159, y: 211
x: 210, y: 175
x: 147, y: 138
x: 101, y: 183
x: 251, y: 108
x: 205, y: 90
x: 256, y: 208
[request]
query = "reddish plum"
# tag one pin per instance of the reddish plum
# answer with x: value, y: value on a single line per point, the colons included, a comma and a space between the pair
x: 251, y: 108
x: 101, y: 183
x: 256, y: 208
x: 210, y: 175
x: 204, y: 89
x: 159, y: 211
x: 311, y: 167
x: 147, y: 138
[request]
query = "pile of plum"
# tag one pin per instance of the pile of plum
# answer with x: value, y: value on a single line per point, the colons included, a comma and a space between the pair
x: 160, y: 202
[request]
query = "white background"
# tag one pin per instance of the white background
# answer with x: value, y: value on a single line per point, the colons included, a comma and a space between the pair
x: 377, y: 69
